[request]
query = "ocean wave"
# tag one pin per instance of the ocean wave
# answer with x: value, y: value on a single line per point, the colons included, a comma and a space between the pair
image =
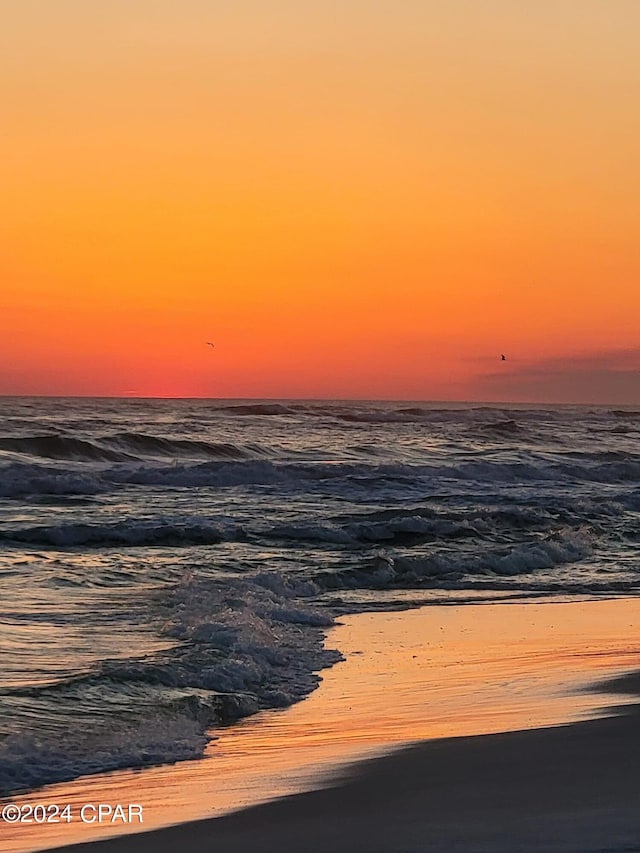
x: 505, y: 429
x: 118, y: 534
x: 407, y: 571
x: 480, y: 416
x: 407, y: 526
x: 141, y: 444
x: 241, y: 646
x: 121, y: 447
x: 260, y: 409
x: 61, y: 447
x: 625, y: 413
x: 383, y: 417
x: 23, y: 479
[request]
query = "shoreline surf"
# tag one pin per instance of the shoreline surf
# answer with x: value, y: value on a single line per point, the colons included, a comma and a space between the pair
x: 431, y: 672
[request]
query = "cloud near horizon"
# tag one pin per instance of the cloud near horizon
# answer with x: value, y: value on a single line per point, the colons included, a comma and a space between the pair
x: 611, y: 376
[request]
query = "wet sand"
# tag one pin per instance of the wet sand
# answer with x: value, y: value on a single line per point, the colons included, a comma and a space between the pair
x: 411, y: 676
x: 570, y: 788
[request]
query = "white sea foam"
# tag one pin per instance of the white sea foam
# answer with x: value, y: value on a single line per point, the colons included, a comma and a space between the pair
x: 241, y: 646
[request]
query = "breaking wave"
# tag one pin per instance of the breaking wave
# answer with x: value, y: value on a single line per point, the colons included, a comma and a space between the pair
x: 409, y: 571
x: 23, y: 478
x: 240, y: 646
x: 121, y: 447
x: 61, y: 447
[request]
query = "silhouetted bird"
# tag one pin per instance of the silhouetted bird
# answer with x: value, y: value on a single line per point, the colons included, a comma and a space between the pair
x: 503, y: 358
x: 209, y: 344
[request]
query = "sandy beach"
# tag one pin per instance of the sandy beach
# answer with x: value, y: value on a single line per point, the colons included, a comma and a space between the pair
x: 444, y: 728
x: 571, y: 788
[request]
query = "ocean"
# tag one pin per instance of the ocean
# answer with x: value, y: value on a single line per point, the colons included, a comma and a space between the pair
x: 170, y: 566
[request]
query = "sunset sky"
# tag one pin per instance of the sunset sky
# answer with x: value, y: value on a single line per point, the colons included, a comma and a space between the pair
x: 351, y: 198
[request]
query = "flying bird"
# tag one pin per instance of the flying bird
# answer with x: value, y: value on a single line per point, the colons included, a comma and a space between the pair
x: 502, y: 357
x: 209, y: 344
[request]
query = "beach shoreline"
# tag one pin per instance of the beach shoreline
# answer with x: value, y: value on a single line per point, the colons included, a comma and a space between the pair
x: 439, y: 677
x: 564, y: 788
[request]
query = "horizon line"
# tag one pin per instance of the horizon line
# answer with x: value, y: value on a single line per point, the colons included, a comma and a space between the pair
x: 316, y: 400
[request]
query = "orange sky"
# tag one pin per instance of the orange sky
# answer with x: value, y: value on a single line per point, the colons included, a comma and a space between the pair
x: 353, y: 198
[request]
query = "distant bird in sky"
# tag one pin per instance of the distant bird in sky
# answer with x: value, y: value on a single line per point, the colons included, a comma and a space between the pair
x: 503, y: 358
x: 209, y: 344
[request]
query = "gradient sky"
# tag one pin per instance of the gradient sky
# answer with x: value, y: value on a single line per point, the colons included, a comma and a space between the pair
x: 352, y: 198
